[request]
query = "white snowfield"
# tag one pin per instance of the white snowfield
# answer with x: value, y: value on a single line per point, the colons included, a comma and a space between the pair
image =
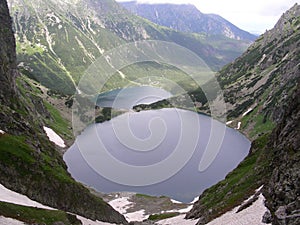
x: 122, y: 204
x: 7, y: 195
x: 54, y: 137
x: 178, y: 220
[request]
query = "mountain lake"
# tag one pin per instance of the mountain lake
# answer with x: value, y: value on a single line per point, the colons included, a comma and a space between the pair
x: 154, y: 152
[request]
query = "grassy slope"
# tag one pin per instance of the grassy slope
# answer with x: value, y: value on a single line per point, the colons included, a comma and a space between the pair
x: 32, y: 215
x: 238, y: 184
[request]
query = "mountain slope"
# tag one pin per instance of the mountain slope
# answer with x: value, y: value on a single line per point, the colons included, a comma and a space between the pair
x: 29, y: 163
x: 283, y: 188
x: 58, y: 40
x: 187, y: 18
x: 263, y: 78
x: 264, y: 82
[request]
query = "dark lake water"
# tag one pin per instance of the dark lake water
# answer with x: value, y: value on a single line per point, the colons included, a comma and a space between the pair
x: 156, y: 152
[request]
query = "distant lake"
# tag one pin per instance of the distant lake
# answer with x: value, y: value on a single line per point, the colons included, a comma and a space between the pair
x: 165, y: 127
x: 126, y: 98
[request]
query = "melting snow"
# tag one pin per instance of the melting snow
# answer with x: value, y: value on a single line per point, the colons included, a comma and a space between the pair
x: 229, y: 122
x: 54, y: 137
x: 7, y: 195
x: 9, y: 221
x: 86, y: 221
x: 195, y: 200
x: 186, y: 209
x: 122, y: 205
x: 178, y: 220
x: 136, y: 216
x: 250, y: 216
x: 176, y: 202
x: 245, y: 113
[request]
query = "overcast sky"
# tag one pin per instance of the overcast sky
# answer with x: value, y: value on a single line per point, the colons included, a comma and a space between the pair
x: 255, y: 16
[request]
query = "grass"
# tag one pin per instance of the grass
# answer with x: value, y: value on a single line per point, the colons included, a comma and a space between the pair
x: 58, y: 124
x: 14, y: 149
x: 145, y: 196
x: 240, y: 183
x: 31, y: 215
x: 262, y: 125
x: 17, y: 153
x: 162, y: 216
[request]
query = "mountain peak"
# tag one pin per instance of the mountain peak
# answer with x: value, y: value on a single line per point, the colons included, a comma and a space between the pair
x: 187, y: 18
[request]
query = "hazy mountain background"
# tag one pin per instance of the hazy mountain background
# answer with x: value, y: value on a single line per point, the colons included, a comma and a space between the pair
x: 187, y: 18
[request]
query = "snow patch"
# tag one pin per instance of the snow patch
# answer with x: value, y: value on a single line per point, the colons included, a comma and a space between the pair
x: 136, y: 216
x: 195, y: 200
x: 121, y: 74
x: 229, y: 122
x: 285, y: 57
x: 122, y: 205
x: 175, y: 202
x: 239, y: 125
x: 178, y: 220
x: 186, y: 209
x: 9, y: 221
x: 245, y: 113
x: 9, y: 196
x: 86, y: 221
x: 2, y: 132
x: 54, y: 137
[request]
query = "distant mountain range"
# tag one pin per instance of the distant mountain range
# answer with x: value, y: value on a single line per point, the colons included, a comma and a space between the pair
x: 187, y: 18
x: 58, y: 40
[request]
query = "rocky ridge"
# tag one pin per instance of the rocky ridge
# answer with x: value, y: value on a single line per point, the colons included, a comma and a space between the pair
x: 187, y: 18
x: 262, y: 93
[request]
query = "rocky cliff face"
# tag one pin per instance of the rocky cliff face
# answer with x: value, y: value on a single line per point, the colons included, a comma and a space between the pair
x: 29, y: 163
x: 7, y: 56
x: 282, y: 191
x: 261, y: 90
x: 263, y: 78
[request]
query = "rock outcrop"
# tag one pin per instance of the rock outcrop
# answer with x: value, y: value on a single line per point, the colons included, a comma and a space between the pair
x: 7, y: 56
x: 282, y: 191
